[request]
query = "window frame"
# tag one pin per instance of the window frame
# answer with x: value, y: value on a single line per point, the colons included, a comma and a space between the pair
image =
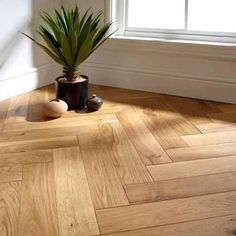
x: 118, y: 10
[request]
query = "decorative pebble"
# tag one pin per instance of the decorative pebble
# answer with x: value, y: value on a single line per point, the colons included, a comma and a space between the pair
x: 94, y: 103
x: 54, y: 108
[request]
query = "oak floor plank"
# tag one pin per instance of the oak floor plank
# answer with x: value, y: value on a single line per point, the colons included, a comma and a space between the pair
x: 225, y: 107
x: 228, y: 117
x: 210, y: 138
x: 124, y: 156
x: 12, y: 136
x: 176, y: 120
x: 100, y: 159
x: 202, y: 152
x: 113, y: 138
x: 219, y: 226
x: 122, y: 95
x: 37, y: 144
x: 193, y: 168
x: 166, y: 212
x: 94, y: 88
x: 38, y: 214
x: 116, y: 106
x: 9, y: 208
x: 18, y: 109
x: 3, y: 112
x: 80, y: 120
x: 166, y: 125
x: 12, y: 159
x: 196, y: 111
x: 149, y: 150
x: 181, y: 188
x: 105, y: 186
x: 10, y: 173
x: 156, y: 122
x: 36, y: 99
x: 76, y: 214
x: 98, y: 137
x: 37, y: 117
x: 216, y: 127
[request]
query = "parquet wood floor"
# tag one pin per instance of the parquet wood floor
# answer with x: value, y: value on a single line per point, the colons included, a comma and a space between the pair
x: 144, y: 165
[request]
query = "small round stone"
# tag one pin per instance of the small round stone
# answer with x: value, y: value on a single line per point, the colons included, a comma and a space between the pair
x: 94, y: 103
x: 54, y: 108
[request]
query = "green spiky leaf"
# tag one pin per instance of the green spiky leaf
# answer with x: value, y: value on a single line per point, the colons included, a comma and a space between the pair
x: 71, y: 37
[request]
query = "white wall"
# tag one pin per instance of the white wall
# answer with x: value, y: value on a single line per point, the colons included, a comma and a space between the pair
x: 95, y: 5
x: 185, y: 69
x: 23, y: 66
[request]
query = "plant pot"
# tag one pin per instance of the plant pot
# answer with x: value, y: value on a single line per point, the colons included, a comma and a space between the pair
x: 74, y: 94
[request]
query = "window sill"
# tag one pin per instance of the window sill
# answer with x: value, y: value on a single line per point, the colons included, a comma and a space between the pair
x: 180, y: 47
x: 192, y: 42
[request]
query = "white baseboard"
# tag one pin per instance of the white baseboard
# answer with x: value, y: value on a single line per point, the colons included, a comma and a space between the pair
x: 34, y: 79
x: 109, y: 75
x: 164, y: 83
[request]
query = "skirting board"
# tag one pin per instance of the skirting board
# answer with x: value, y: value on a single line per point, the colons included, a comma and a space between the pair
x: 200, y: 88
x: 34, y: 79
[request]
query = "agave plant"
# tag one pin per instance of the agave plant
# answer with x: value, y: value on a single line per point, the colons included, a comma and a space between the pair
x: 71, y: 37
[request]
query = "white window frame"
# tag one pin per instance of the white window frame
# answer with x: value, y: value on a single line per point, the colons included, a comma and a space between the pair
x: 118, y: 10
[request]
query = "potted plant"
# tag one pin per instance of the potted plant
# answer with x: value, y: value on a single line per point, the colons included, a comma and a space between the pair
x: 70, y: 38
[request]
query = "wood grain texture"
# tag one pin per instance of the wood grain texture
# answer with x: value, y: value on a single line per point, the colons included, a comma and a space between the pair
x: 125, y: 158
x: 105, y: 186
x: 36, y: 99
x: 210, y: 138
x: 216, y: 127
x: 12, y: 159
x: 227, y: 117
x: 60, y: 132
x: 8, y: 174
x: 38, y: 214
x: 156, y: 122
x: 115, y: 106
x: 18, y: 109
x: 176, y: 120
x: 202, y: 152
x: 167, y: 212
x: 193, y: 168
x: 37, y: 144
x: 76, y: 215
x: 144, y: 164
x: 113, y: 138
x: 3, y: 112
x: 9, y: 208
x: 224, y: 107
x: 149, y: 150
x: 219, y: 226
x: 181, y: 188
x: 62, y: 122
x: 118, y: 94
x: 196, y: 111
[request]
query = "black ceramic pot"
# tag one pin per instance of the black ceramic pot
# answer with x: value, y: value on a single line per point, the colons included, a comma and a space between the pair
x: 74, y: 94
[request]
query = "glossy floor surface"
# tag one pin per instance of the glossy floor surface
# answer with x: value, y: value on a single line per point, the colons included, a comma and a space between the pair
x: 145, y: 164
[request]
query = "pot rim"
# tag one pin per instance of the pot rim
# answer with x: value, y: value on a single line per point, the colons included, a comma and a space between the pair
x: 84, y: 76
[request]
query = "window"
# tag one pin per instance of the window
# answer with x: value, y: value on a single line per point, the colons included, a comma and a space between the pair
x: 205, y: 20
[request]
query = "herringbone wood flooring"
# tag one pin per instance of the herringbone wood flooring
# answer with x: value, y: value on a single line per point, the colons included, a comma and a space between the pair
x: 145, y: 164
